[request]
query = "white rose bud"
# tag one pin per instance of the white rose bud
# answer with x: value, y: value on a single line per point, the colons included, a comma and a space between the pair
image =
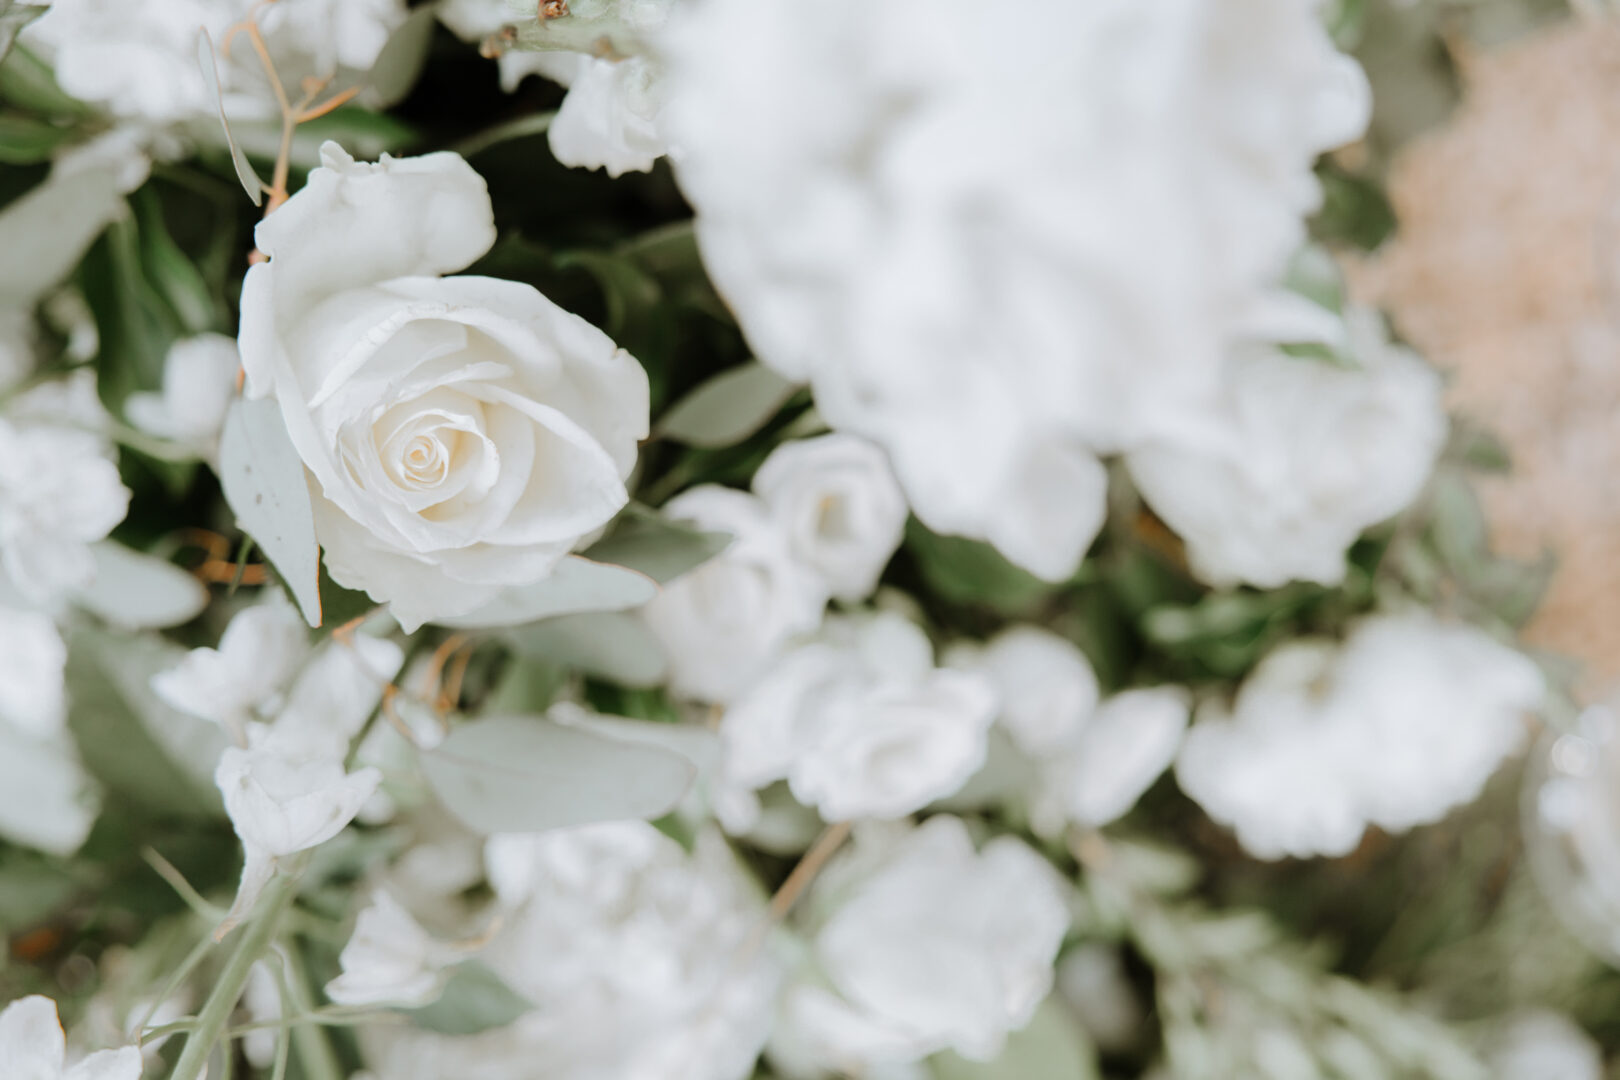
x: 724, y: 622
x: 840, y: 505
x: 462, y: 434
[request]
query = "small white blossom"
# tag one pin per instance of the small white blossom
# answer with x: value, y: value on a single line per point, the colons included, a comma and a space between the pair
x: 234, y: 683
x: 723, y: 623
x: 199, y: 382
x: 1300, y: 457
x: 928, y: 945
x: 838, y: 502
x: 860, y: 722
x: 33, y: 1047
x: 1403, y: 721
x: 1124, y: 747
x: 390, y: 959
x: 1048, y: 689
x: 609, y: 120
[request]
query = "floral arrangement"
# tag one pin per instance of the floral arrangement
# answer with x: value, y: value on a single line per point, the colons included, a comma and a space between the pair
x: 709, y: 539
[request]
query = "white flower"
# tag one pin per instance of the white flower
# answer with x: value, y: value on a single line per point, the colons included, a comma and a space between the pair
x: 929, y: 946
x: 1304, y: 454
x: 33, y: 658
x: 860, y: 722
x: 997, y: 253
x: 722, y: 623
x: 258, y: 652
x: 1405, y: 720
x: 609, y: 120
x: 139, y: 61
x: 1048, y: 689
x: 59, y: 493
x: 1124, y: 747
x: 33, y: 1047
x: 390, y: 959
x: 641, y: 961
x: 462, y: 434
x: 282, y: 798
x: 262, y: 999
x: 838, y: 502
x: 199, y: 381
x: 1544, y: 1045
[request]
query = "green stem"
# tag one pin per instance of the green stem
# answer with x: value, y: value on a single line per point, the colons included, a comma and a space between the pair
x: 309, y: 1040
x: 256, y: 936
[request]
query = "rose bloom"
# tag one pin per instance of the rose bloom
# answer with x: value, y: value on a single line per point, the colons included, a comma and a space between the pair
x: 461, y: 434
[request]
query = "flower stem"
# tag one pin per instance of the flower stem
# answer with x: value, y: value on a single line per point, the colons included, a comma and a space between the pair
x: 256, y: 936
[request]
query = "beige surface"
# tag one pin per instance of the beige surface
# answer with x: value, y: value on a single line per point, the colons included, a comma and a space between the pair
x: 1506, y: 273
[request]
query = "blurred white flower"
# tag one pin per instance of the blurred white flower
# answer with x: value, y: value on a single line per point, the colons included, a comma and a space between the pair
x: 199, y: 382
x: 1302, y: 456
x: 33, y: 1047
x: 1124, y: 747
x: 926, y: 946
x: 640, y: 959
x: 860, y: 722
x: 838, y: 502
x: 243, y: 678
x: 996, y: 309
x: 1543, y: 1045
x: 59, y: 493
x: 390, y: 959
x: 1092, y: 979
x: 33, y: 658
x: 139, y: 61
x: 1047, y: 687
x: 262, y: 1000
x: 1403, y: 721
x: 462, y: 434
x: 337, y: 691
x: 723, y: 623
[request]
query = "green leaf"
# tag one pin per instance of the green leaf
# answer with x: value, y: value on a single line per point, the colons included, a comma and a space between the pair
x: 728, y: 408
x: 645, y: 541
x: 263, y: 481
x: 25, y: 141
x: 44, y: 234
x: 26, y: 81
x: 521, y: 128
x: 171, y: 274
x: 1457, y: 524
x: 577, y: 585
x: 138, y: 591
x: 529, y: 774
x: 399, y: 63
x: 30, y: 889
x: 13, y: 17
x: 630, y: 292
x: 611, y: 645
x: 474, y: 1000
x: 208, y: 62
x: 969, y: 572
x: 118, y: 723
x: 1051, y: 1047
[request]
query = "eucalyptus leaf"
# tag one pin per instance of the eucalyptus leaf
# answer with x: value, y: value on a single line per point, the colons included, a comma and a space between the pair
x: 1052, y: 1046
x: 399, y: 63
x: 44, y: 234
x: 728, y: 408
x: 577, y: 585
x: 529, y: 774
x: 208, y: 63
x: 474, y: 1000
x: 138, y: 591
x: 263, y: 481
x: 646, y: 541
x: 612, y: 645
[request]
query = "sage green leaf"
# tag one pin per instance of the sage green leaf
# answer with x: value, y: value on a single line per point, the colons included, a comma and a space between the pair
x: 263, y: 481
x: 611, y: 645
x: 13, y: 17
x: 529, y: 774
x: 399, y: 63
x: 474, y: 1000
x: 127, y: 737
x: 209, y: 64
x: 728, y: 408
x: 646, y: 541
x: 27, y: 141
x: 138, y: 591
x: 577, y: 585
x: 1051, y: 1046
x: 44, y: 234
x: 27, y: 82
x: 970, y: 572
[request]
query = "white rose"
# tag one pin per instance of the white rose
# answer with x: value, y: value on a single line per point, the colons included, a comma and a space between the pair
x: 1048, y: 689
x: 1300, y: 458
x: 838, y: 502
x: 1403, y: 721
x: 721, y: 624
x: 609, y: 120
x: 462, y: 434
x: 860, y: 722
x: 199, y: 381
x: 931, y: 946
